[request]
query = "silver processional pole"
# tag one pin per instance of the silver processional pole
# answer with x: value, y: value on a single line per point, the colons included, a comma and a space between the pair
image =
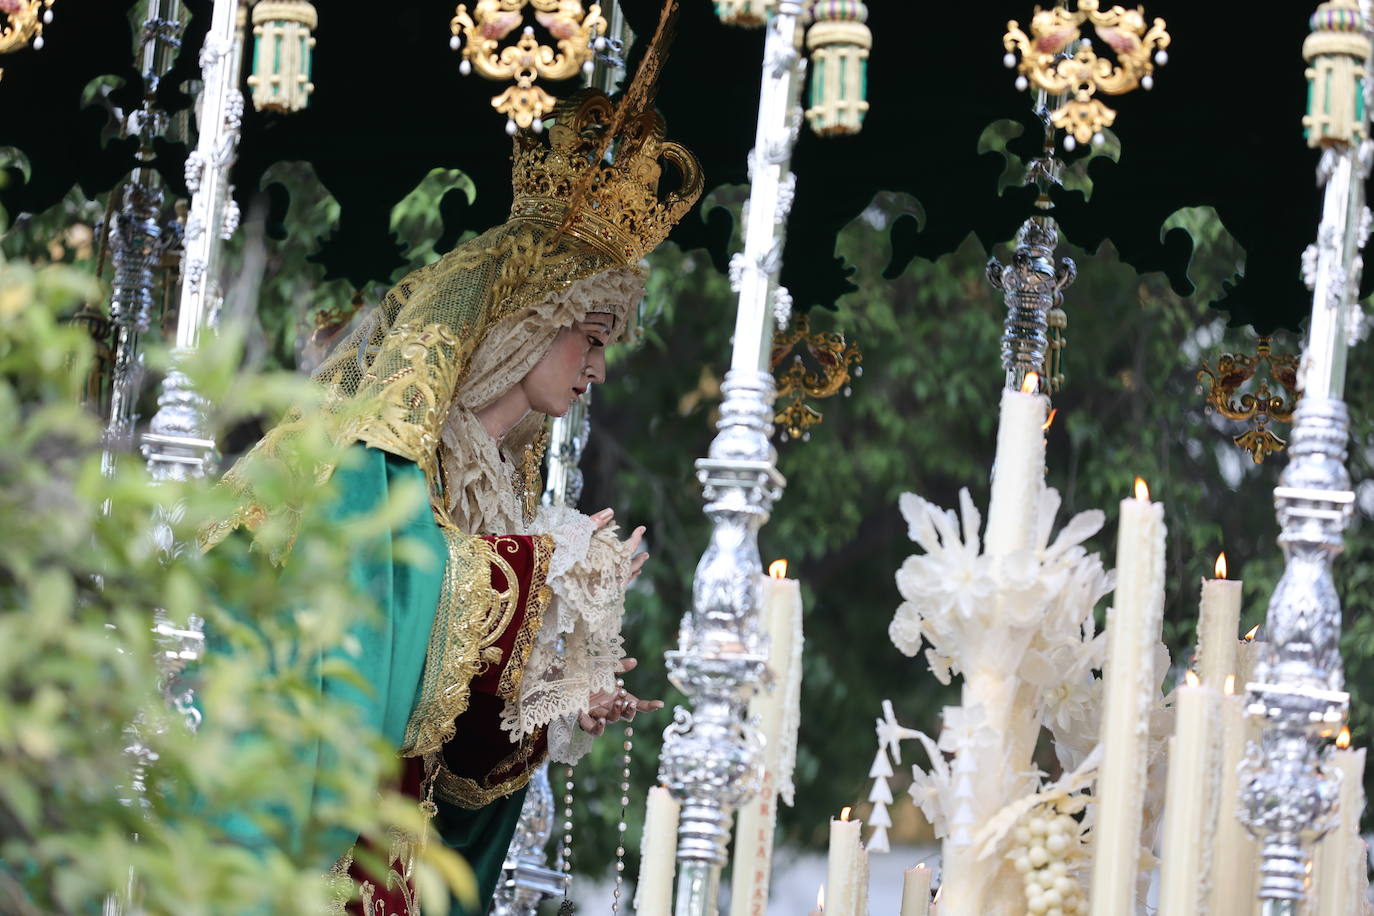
x: 711, y: 754
x: 177, y: 445
x: 1298, y: 696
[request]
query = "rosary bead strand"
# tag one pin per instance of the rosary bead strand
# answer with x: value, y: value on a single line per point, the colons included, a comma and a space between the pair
x: 628, y: 746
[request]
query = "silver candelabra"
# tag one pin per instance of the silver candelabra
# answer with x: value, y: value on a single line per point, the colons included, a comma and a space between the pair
x: 1033, y: 284
x: 136, y: 235
x: 177, y: 444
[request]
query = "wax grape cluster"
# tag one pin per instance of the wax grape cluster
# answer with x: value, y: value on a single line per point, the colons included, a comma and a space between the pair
x: 1048, y: 844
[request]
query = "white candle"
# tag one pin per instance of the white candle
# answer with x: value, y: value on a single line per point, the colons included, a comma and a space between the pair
x: 1339, y: 857
x: 1234, y: 876
x: 846, y: 869
x: 859, y: 890
x: 1133, y: 628
x: 1216, y: 629
x: 778, y: 716
x: 1018, y: 472
x: 1189, y: 798
x: 658, y: 855
x: 754, y: 851
x: 916, y: 891
x: 1247, y: 657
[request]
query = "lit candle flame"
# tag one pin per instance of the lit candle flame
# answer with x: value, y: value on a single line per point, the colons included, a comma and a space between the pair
x: 1031, y: 383
x: 778, y: 569
x: 1142, y: 490
x: 1250, y: 637
x: 820, y: 898
x: 1220, y: 567
x: 844, y: 812
x: 1049, y: 421
x: 1229, y: 687
x: 1192, y: 679
x: 1343, y: 739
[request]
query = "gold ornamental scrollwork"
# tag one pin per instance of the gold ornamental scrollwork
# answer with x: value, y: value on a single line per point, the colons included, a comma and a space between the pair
x: 24, y: 21
x: 480, y: 34
x: 1223, y: 385
x: 836, y: 362
x: 1057, y: 58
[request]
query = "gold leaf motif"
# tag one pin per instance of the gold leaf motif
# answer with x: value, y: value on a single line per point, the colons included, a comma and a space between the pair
x: 836, y: 360
x: 1260, y: 406
x: 1053, y: 57
x: 480, y: 34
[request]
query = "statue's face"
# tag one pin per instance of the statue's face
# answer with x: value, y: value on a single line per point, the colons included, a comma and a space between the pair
x: 576, y: 359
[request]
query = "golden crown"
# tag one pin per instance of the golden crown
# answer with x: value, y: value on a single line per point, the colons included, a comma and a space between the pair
x: 614, y: 205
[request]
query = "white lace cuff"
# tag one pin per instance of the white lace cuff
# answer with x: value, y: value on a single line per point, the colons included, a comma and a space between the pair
x: 579, y: 648
x: 572, y: 533
x: 568, y: 743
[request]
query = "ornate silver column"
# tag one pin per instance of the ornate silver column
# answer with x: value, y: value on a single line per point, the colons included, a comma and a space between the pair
x: 711, y: 754
x: 135, y: 234
x: 1298, y: 697
x: 526, y: 879
x: 177, y: 445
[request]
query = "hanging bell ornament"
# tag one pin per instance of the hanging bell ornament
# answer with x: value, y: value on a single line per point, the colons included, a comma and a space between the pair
x: 1336, y: 52
x: 283, y: 49
x: 748, y: 14
x: 839, y: 41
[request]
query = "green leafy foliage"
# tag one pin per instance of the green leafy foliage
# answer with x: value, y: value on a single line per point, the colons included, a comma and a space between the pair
x: 223, y: 814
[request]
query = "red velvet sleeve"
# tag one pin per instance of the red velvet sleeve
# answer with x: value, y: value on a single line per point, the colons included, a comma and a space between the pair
x: 481, y: 762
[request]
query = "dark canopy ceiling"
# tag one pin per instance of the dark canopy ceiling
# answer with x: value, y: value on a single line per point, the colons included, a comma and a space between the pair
x: 1221, y: 128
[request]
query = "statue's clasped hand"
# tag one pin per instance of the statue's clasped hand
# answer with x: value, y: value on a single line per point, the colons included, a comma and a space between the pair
x: 616, y: 705
x: 619, y: 704
x: 637, y: 557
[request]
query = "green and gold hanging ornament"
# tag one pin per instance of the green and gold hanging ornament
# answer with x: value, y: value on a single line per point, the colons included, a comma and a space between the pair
x: 283, y: 49
x: 1336, y: 52
x: 839, y: 41
x: 748, y: 14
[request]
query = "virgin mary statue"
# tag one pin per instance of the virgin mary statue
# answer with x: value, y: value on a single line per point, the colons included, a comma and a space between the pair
x: 506, y: 650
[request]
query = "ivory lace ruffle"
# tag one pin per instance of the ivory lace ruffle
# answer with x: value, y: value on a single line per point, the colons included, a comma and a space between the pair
x: 579, y: 648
